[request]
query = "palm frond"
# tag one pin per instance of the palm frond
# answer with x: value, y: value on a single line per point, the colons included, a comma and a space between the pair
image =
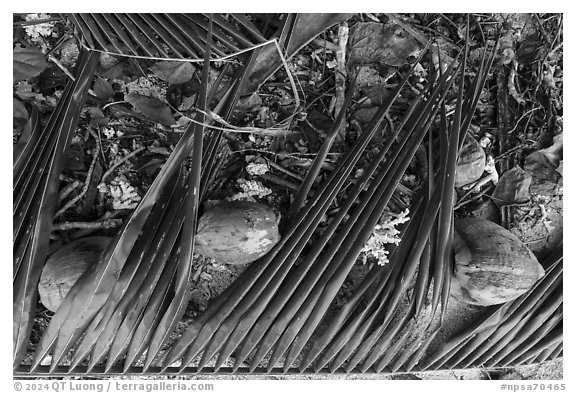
x: 169, y: 36
x: 150, y: 254
x: 38, y: 162
x: 118, y: 332
x: 93, y: 289
x: 28, y: 139
x: 402, y: 272
x: 184, y: 274
x: 136, y: 267
x: 400, y: 159
x: 376, y: 343
x: 314, y: 171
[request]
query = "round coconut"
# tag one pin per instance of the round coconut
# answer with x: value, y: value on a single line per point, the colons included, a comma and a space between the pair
x: 65, y: 266
x: 491, y: 265
x: 237, y: 232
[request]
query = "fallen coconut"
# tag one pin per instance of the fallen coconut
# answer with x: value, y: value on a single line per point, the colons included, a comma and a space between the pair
x: 491, y: 265
x: 237, y: 232
x: 65, y: 266
x: 471, y: 162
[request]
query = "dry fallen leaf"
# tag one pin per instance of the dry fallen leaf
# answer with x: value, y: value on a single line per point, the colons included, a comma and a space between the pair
x: 173, y: 72
x: 27, y: 63
x: 151, y: 107
x: 384, y: 43
x: 20, y: 116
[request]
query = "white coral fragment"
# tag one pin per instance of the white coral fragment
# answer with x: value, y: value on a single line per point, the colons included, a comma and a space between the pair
x: 385, y: 232
x: 251, y: 188
x: 122, y: 193
x: 41, y: 29
x: 255, y: 188
x: 256, y: 168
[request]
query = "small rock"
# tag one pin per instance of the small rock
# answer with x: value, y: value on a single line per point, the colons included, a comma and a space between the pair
x: 75, y: 158
x: 513, y: 187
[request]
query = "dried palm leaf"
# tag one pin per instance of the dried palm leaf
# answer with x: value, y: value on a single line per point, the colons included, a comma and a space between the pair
x: 373, y: 347
x: 154, y: 247
x: 178, y: 306
x: 141, y: 266
x: 38, y: 162
x: 94, y: 288
x: 167, y: 36
x: 411, y: 146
